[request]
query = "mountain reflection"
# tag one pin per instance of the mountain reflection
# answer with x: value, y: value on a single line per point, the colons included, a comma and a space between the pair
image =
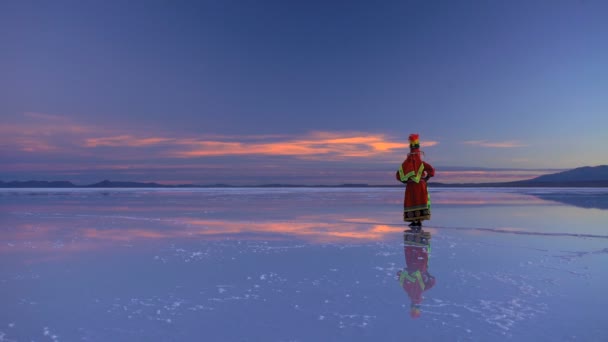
x: 594, y: 199
x: 415, y: 278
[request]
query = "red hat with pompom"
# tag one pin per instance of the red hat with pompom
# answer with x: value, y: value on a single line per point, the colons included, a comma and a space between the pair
x: 414, y: 141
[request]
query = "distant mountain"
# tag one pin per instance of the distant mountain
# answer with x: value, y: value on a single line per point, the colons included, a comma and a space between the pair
x: 36, y: 184
x: 588, y: 176
x: 109, y: 184
x: 581, y: 174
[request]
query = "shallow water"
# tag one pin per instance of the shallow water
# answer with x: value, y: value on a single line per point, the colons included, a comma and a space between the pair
x: 299, y: 264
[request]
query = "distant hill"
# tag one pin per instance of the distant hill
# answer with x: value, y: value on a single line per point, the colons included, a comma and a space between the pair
x: 109, y: 184
x: 581, y: 174
x: 37, y: 184
x: 588, y: 176
x: 65, y: 184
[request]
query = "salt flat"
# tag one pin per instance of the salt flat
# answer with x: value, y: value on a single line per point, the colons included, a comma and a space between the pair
x: 301, y: 264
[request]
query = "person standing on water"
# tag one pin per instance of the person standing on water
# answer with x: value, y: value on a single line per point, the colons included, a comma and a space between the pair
x: 415, y: 173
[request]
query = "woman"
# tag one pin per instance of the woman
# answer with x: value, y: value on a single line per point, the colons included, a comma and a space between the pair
x: 415, y: 174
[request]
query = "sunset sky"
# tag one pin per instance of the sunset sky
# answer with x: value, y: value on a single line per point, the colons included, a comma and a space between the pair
x: 302, y: 92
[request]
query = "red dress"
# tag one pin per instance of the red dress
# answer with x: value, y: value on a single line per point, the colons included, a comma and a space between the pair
x: 415, y: 278
x: 413, y: 171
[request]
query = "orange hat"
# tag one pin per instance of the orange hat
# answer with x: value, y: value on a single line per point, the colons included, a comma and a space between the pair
x: 414, y: 141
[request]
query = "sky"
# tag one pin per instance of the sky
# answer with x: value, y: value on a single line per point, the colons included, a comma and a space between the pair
x: 300, y: 92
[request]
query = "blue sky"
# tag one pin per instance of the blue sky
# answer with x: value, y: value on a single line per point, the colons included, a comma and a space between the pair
x: 326, y: 92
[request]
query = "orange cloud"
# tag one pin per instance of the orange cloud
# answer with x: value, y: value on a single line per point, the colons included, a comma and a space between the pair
x: 496, y: 144
x: 315, y: 144
x: 45, y: 133
x: 322, y: 144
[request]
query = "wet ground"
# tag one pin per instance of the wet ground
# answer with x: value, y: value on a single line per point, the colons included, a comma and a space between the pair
x: 299, y: 265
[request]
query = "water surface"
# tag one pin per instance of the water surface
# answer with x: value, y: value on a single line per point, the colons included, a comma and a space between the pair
x: 298, y: 265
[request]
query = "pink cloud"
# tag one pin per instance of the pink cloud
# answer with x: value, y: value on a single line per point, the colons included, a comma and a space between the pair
x: 496, y: 144
x: 27, y: 144
x: 42, y: 133
x: 125, y: 141
x: 63, y: 148
x: 45, y: 117
x: 429, y: 143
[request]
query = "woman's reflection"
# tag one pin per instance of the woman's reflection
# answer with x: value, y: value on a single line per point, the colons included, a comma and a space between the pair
x: 415, y: 277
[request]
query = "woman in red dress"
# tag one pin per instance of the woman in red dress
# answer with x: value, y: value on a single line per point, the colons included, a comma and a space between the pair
x: 415, y: 173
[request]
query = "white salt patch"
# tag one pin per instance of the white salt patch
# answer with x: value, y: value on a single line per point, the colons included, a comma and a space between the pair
x: 47, y: 332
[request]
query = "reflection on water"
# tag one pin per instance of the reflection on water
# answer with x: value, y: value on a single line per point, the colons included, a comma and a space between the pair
x: 75, y: 235
x: 592, y: 199
x: 307, y: 264
x: 67, y: 221
x: 415, y: 278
